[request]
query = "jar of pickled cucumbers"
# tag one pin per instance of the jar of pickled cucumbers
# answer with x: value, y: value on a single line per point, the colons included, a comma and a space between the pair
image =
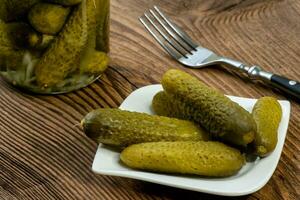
x: 53, y: 46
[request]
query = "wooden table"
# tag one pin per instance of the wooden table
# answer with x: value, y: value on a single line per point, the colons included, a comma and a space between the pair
x: 44, y: 155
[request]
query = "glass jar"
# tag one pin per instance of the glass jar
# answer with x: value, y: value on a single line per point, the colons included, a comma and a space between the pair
x: 53, y: 46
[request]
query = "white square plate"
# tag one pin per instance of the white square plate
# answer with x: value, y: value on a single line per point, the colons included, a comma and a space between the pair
x: 249, y: 179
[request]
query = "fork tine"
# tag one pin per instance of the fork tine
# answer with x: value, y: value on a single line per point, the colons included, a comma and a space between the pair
x: 180, y: 32
x: 170, y: 51
x: 171, y: 33
x: 173, y: 44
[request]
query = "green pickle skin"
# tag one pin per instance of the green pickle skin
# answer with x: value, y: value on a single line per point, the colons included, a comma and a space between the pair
x: 11, y: 55
x: 19, y: 35
x: 184, y: 157
x: 65, y: 2
x: 6, y: 41
x: 15, y: 35
x: 267, y: 114
x: 18, y: 39
x: 41, y: 41
x: 48, y: 18
x: 55, y: 50
x: 61, y: 58
x: 208, y: 107
x: 102, y: 31
x: 122, y: 128
x: 9, y: 59
x: 97, y: 64
x: 87, y: 57
x: 164, y: 105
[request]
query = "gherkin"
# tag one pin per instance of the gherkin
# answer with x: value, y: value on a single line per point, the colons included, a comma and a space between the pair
x: 10, y: 60
x: 267, y: 115
x: 87, y: 56
x: 63, y: 55
x: 5, y: 37
x: 11, y: 55
x: 97, y: 64
x: 22, y: 34
x: 19, y: 35
x: 122, y: 128
x: 48, y: 18
x: 16, y: 62
x: 184, y: 157
x: 102, y: 30
x: 65, y: 2
x: 209, y: 108
x: 164, y: 105
x: 41, y: 41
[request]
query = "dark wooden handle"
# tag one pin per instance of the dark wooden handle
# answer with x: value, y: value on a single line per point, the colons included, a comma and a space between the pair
x: 288, y: 85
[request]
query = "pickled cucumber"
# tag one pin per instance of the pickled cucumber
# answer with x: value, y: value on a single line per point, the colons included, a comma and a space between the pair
x: 97, y: 64
x: 14, y: 9
x: 210, y: 108
x: 40, y: 41
x: 87, y: 56
x: 61, y: 58
x: 19, y: 35
x: 164, y: 105
x: 65, y: 2
x: 48, y: 18
x: 9, y: 59
x: 267, y: 115
x: 6, y: 41
x: 102, y: 31
x: 200, y: 158
x: 122, y: 128
x: 10, y: 54
x: 22, y: 74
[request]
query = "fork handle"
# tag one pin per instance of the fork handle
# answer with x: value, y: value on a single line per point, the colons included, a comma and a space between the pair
x: 289, y: 86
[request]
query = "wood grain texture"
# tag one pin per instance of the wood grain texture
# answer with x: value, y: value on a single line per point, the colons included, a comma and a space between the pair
x: 45, y: 155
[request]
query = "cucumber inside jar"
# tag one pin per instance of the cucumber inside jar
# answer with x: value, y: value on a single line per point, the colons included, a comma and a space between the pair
x: 60, y: 46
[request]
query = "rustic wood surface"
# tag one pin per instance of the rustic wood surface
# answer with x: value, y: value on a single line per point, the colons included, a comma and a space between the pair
x: 44, y: 155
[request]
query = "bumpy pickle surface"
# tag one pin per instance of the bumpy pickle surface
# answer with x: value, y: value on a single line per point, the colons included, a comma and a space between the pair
x: 102, y: 31
x: 63, y: 59
x: 65, y: 2
x: 19, y: 35
x: 200, y: 158
x: 87, y: 54
x: 6, y: 41
x: 210, y: 108
x: 63, y: 55
x: 10, y: 60
x: 48, y: 18
x: 10, y: 53
x: 15, y: 35
x: 164, y: 105
x: 122, y: 128
x: 18, y: 42
x: 97, y: 63
x: 22, y: 34
x: 41, y: 41
x: 267, y: 114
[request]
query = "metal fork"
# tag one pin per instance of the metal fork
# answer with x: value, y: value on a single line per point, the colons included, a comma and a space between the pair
x: 182, y: 48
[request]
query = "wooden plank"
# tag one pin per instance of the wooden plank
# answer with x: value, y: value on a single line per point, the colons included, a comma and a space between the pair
x: 45, y: 155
